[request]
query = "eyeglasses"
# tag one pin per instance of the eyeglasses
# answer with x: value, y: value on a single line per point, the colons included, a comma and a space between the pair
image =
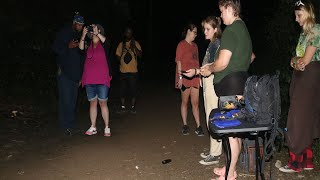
x: 299, y: 3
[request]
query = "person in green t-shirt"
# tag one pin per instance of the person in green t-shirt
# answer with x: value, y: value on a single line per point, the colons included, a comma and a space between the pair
x: 230, y: 68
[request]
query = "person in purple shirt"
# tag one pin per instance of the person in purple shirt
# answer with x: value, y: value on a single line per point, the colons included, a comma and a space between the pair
x: 96, y: 75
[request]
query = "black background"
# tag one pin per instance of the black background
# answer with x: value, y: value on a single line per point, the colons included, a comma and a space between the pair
x: 29, y: 28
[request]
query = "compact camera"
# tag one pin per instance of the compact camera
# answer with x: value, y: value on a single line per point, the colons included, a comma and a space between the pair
x: 90, y: 29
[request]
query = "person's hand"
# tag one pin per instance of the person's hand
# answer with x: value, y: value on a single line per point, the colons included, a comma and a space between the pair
x: 179, y: 84
x: 292, y: 62
x: 300, y: 65
x: 189, y: 73
x: 239, y: 98
x: 73, y: 43
x: 132, y: 43
x: 84, y: 32
x: 95, y: 29
x: 205, y: 70
x: 79, y: 83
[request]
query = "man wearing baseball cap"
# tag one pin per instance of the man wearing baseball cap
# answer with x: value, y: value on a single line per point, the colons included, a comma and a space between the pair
x: 70, y: 65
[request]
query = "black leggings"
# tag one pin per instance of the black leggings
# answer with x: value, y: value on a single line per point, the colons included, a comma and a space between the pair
x: 232, y: 84
x: 128, y: 84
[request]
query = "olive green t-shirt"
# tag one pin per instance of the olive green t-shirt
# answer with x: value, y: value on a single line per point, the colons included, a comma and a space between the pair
x: 236, y: 39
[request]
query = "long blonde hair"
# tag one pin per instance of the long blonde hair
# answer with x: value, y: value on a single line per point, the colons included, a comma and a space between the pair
x: 310, y: 18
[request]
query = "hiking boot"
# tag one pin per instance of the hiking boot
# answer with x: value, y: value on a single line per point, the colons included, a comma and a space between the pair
x: 199, y: 131
x: 133, y: 110
x: 287, y: 169
x: 210, y: 160
x: 205, y: 155
x: 91, y: 131
x: 185, y: 130
x: 122, y: 110
x: 107, y: 132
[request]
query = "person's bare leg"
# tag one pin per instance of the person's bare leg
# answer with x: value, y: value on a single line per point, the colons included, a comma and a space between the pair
x: 235, y: 146
x: 195, y: 104
x: 184, y: 105
x: 104, y: 112
x: 93, y: 112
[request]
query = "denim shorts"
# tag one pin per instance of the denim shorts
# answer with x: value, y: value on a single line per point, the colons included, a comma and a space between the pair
x: 95, y: 91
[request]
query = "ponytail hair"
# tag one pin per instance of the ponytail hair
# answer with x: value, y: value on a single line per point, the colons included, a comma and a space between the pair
x: 214, y: 22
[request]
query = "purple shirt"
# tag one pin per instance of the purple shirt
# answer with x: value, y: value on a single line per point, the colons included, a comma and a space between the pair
x: 96, y: 70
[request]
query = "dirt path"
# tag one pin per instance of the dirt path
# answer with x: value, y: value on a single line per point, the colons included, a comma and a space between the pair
x: 135, y: 151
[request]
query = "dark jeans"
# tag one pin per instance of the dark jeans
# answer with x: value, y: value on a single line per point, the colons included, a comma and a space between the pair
x: 68, y: 93
x: 128, y: 84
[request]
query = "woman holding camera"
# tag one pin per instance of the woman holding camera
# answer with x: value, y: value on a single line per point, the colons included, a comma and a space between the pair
x: 96, y: 75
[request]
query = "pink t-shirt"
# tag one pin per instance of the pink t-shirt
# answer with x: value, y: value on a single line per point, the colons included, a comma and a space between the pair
x: 96, y: 70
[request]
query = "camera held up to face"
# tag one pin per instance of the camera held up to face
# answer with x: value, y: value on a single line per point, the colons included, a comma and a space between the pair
x: 90, y: 28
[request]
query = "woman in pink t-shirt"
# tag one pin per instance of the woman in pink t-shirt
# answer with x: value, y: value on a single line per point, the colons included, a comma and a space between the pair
x: 96, y: 77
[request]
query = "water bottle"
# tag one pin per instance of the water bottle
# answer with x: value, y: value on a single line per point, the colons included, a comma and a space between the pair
x: 166, y: 161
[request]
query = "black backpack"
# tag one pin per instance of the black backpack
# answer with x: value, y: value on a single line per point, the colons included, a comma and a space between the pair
x: 263, y: 106
x: 262, y: 98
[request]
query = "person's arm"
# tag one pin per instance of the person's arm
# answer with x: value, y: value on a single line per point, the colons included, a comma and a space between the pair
x: 136, y: 48
x: 101, y: 37
x: 179, y: 58
x: 299, y: 63
x: 312, y: 45
x: 119, y: 51
x: 179, y: 83
x: 82, y: 39
x: 222, y: 62
x: 218, y: 65
x: 96, y: 32
x: 253, y: 57
x: 179, y: 67
x: 310, y: 51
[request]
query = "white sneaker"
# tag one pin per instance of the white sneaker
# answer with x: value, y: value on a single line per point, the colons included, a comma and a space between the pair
x: 286, y: 169
x: 91, y: 131
x: 308, y: 169
x: 107, y: 132
x: 210, y: 160
x: 205, y: 155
